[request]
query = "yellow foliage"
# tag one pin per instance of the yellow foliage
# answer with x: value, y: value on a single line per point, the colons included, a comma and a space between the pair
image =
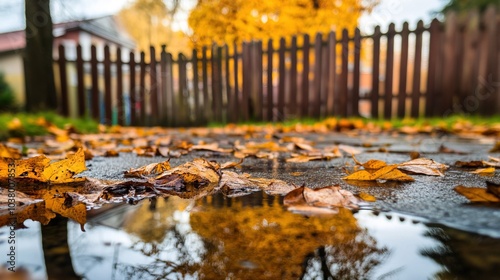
x: 227, y: 21
x: 148, y: 22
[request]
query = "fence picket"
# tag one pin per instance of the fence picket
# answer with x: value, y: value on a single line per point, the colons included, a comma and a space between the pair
x: 119, y: 88
x: 80, y: 89
x: 389, y: 71
x: 417, y: 68
x: 403, y: 71
x: 64, y: 109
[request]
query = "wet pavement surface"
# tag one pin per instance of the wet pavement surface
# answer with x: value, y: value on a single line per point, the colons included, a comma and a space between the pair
x: 429, y: 197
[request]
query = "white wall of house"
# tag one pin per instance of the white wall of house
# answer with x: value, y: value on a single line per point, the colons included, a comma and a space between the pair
x: 11, y: 65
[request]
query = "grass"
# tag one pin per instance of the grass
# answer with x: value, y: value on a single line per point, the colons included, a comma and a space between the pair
x: 30, y: 126
x: 447, y: 122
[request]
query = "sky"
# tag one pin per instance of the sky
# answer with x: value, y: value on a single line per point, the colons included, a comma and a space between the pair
x: 397, y: 11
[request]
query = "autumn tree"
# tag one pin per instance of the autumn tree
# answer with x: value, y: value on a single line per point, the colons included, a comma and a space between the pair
x: 149, y: 24
x: 225, y: 21
x: 39, y: 75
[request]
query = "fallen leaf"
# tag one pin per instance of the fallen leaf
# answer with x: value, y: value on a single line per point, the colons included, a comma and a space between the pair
x: 198, y: 173
x: 469, y: 164
x: 231, y: 164
x: 388, y: 172
x: 423, y: 166
x: 493, y: 188
x: 349, y: 149
x: 476, y: 194
x: 326, y: 197
x: 9, y: 152
x: 495, y: 148
x: 367, y: 197
x: 64, y: 170
x: 153, y: 169
x: 484, y: 171
x: 214, y: 147
x: 232, y: 182
x: 372, y: 164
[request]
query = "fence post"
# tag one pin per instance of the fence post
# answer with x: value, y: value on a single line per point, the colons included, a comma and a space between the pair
x: 245, y: 65
x: 281, y: 77
x: 119, y: 87
x: 64, y: 106
x: 487, y: 93
x: 403, y: 71
x: 293, y: 77
x: 270, y: 84
x: 95, y: 84
x: 132, y: 91
x: 375, y: 73
x: 235, y: 98
x: 343, y: 94
x: 356, y: 74
x: 417, y: 68
x: 389, y: 72
x: 449, y: 69
x: 170, y: 95
x: 108, y: 119
x: 142, y: 88
x: 217, y: 82
x: 153, y: 88
x: 332, y: 74
x: 80, y: 90
x: 184, y: 111
x: 227, y: 85
x: 305, y: 78
x: 316, y: 110
x: 434, y: 48
x: 206, y: 99
x: 164, y: 111
x: 197, y: 112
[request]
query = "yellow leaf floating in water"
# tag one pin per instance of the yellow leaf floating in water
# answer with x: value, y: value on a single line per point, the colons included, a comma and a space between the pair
x: 367, y: 197
x: 40, y: 168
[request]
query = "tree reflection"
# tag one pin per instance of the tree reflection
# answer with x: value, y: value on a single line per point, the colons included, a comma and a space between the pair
x: 469, y: 255
x: 251, y: 237
x: 56, y: 250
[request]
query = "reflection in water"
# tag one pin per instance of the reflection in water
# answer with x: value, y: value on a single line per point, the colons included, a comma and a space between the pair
x: 252, y: 237
x: 462, y: 253
x: 264, y: 241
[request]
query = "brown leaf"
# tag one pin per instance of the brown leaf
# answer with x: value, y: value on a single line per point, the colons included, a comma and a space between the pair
x: 152, y: 169
x: 423, y: 166
x: 197, y: 173
x: 349, y: 150
x: 495, y: 148
x: 327, y: 197
x: 476, y: 194
x: 214, y: 147
x: 231, y: 164
x: 493, y: 188
x: 232, y: 182
x: 469, y: 164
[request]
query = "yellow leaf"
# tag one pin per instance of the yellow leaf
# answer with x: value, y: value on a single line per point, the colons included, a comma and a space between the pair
x: 64, y: 170
x: 484, y: 171
x: 476, y: 194
x: 367, y: 197
x: 150, y: 169
x: 8, y: 152
x: 361, y: 175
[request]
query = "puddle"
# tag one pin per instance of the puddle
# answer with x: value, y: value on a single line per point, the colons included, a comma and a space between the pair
x: 249, y: 237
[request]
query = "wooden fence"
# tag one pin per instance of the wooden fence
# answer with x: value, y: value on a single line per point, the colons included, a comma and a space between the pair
x: 436, y: 70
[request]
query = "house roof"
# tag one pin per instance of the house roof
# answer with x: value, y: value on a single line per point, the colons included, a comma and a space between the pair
x: 106, y: 27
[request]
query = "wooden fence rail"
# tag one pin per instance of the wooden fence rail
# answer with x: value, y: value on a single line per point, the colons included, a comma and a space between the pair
x: 446, y: 68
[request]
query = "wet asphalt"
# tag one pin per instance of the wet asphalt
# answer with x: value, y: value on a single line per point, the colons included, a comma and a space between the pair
x: 429, y: 198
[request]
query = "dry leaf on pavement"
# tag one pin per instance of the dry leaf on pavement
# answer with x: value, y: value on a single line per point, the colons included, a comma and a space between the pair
x: 475, y: 194
x: 326, y: 197
x: 423, y: 166
x: 152, y: 169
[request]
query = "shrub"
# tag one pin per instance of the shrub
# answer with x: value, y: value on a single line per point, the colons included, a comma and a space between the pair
x: 6, y: 95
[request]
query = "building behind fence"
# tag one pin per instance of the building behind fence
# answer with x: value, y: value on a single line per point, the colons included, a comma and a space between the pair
x: 436, y: 70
